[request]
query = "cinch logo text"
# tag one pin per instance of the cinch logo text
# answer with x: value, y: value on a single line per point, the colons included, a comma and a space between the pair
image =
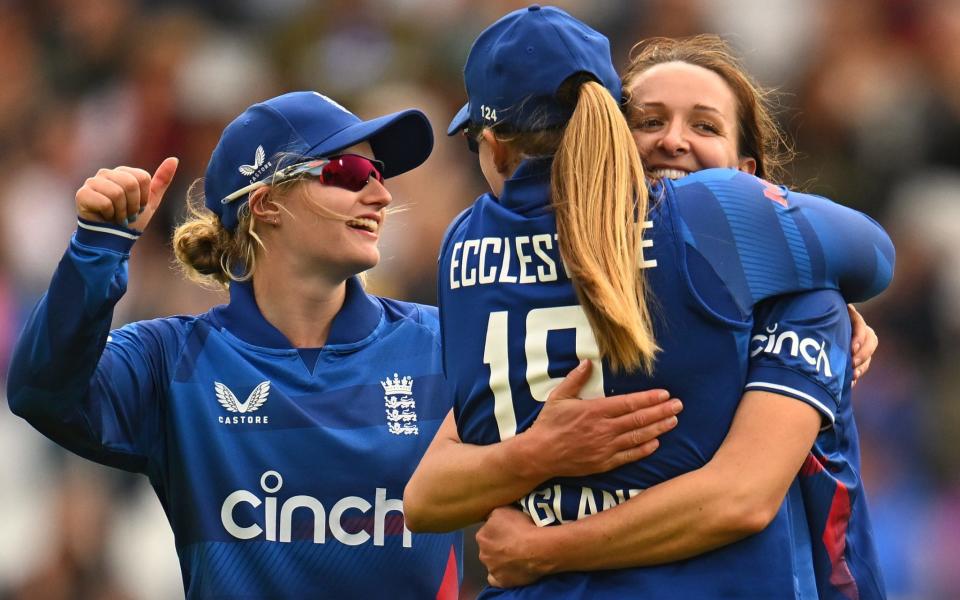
x: 814, y: 353
x: 274, y: 524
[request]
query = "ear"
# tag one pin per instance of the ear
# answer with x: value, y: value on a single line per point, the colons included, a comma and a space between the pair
x: 503, y: 156
x: 747, y: 165
x: 263, y: 207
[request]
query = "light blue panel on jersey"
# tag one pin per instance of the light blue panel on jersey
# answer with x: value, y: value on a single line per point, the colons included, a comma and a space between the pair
x: 757, y: 232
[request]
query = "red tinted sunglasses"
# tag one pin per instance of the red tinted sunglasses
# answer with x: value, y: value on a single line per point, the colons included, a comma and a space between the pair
x: 348, y: 171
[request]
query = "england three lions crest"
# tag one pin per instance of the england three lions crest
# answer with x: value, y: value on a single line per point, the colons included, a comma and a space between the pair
x: 400, y: 406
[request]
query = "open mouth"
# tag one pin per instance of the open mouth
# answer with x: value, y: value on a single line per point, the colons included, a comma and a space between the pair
x: 667, y: 173
x: 364, y: 224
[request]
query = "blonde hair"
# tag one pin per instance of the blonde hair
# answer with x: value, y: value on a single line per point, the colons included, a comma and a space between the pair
x: 207, y: 252
x: 759, y: 136
x: 600, y: 198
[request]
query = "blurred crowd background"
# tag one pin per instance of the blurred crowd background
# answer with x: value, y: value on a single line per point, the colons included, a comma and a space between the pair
x: 869, y: 92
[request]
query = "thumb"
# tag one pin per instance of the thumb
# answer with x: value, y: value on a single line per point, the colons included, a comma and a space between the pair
x: 159, y: 183
x: 161, y: 180
x: 574, y: 381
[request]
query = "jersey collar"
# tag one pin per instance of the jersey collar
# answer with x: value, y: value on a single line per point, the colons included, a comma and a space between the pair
x: 356, y: 321
x: 527, y: 192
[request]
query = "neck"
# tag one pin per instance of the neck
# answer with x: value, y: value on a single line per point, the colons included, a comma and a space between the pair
x: 301, y: 307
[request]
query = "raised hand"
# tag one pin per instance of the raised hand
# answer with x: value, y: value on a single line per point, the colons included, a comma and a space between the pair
x: 125, y: 195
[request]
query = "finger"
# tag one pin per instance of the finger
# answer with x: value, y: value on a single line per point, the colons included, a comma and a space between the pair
x: 641, y: 435
x: 869, y: 347
x: 572, y: 384
x: 643, y: 417
x: 858, y: 326
x: 93, y: 205
x: 161, y: 180
x: 860, y: 371
x: 615, y: 406
x: 631, y: 455
x: 159, y: 184
x: 130, y: 203
x: 114, y: 194
x: 143, y: 181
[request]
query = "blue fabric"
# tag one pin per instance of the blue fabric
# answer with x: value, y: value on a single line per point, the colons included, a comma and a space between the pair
x: 516, y: 66
x: 507, y: 310
x: 279, y: 480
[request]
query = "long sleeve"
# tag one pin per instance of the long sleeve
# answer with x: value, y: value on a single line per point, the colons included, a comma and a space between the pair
x: 93, y: 392
x: 763, y: 240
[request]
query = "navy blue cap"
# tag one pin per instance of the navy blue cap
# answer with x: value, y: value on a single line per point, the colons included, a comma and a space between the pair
x: 517, y: 65
x: 310, y: 125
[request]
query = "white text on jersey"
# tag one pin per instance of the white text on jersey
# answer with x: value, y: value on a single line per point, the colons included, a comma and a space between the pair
x: 545, y: 506
x: 271, y: 524
x: 773, y: 344
x: 520, y: 259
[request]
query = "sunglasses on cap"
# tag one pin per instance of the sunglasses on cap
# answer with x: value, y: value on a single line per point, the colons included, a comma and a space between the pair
x: 472, y: 134
x: 348, y: 171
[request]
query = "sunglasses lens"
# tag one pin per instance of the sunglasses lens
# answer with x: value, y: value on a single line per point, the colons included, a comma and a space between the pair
x: 350, y: 172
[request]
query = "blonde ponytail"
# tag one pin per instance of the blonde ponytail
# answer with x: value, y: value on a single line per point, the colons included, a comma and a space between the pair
x: 600, y: 198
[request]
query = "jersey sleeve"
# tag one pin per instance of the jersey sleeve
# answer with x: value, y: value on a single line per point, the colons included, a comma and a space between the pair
x: 800, y: 347
x: 763, y: 240
x: 92, y: 391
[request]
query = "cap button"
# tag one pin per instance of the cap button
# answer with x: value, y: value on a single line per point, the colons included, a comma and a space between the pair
x: 534, y: 7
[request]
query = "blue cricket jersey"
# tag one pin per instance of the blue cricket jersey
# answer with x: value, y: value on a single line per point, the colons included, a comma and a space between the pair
x: 281, y: 471
x: 784, y: 349
x: 717, y: 243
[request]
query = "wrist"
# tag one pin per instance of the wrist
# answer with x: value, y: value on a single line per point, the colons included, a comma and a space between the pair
x: 546, y: 547
x: 525, y: 458
x: 105, y: 235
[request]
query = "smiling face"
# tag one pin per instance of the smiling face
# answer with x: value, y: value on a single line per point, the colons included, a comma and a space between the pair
x: 332, y: 228
x: 684, y: 119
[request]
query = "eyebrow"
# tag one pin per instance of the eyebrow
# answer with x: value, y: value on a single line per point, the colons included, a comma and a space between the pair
x: 707, y: 108
x: 698, y: 107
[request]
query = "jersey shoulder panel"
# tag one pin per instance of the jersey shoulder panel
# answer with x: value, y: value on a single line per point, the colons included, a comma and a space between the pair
x: 800, y: 348
x: 765, y: 240
x: 713, y: 284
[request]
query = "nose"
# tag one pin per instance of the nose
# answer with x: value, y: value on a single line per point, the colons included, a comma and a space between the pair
x: 375, y: 194
x: 674, y: 141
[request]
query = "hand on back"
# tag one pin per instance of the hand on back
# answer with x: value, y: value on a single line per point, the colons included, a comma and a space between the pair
x: 581, y: 437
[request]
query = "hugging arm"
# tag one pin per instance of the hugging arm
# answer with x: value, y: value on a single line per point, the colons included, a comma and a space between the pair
x: 457, y: 484
x: 737, y: 493
x: 764, y: 241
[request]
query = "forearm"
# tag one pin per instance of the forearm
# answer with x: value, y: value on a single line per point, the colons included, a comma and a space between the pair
x: 683, y: 517
x: 457, y: 484
x: 59, y: 349
x: 733, y: 496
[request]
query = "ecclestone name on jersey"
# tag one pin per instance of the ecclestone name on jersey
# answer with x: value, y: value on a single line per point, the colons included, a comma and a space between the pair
x: 519, y: 259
